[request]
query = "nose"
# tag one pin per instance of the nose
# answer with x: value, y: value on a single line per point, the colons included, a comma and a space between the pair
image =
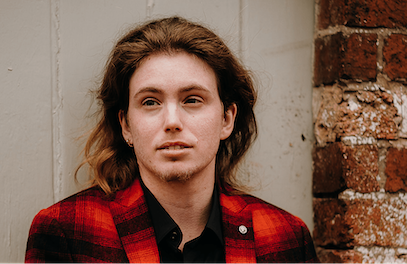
x: 172, y: 117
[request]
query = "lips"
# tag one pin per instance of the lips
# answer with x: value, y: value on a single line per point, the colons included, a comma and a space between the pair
x: 174, y: 146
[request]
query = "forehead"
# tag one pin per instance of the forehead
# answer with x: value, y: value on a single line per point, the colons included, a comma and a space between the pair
x: 170, y: 70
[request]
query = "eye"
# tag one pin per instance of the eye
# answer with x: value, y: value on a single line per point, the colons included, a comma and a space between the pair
x: 193, y: 100
x: 150, y: 102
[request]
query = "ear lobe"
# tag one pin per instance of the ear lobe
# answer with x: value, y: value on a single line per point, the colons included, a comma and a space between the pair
x: 229, y: 121
x: 126, y: 132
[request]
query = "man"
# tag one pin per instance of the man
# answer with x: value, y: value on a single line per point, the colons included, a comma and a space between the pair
x: 177, y: 118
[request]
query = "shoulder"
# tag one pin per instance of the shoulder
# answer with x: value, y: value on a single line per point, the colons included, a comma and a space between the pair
x: 278, y: 234
x: 265, y: 212
x: 260, y: 209
x: 74, y: 229
x: 265, y: 216
x: 70, y: 208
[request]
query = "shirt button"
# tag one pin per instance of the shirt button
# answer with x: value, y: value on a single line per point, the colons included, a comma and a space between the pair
x: 242, y: 230
x: 174, y: 235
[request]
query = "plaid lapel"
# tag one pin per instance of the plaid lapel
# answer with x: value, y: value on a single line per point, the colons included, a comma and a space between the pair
x: 237, y: 230
x: 134, y: 226
x: 135, y: 229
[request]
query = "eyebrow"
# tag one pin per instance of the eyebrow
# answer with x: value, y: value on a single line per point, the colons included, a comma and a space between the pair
x: 161, y: 91
x: 148, y: 90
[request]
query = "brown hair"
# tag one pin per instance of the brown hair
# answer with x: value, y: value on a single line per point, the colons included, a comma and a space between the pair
x: 112, y: 163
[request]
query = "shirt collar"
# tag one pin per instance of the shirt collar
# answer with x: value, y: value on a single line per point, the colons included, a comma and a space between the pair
x: 163, y: 223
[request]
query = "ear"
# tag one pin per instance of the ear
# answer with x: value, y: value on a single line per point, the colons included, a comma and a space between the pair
x: 228, y: 121
x: 126, y: 131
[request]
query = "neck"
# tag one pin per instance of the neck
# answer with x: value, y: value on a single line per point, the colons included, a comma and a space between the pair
x: 188, y: 203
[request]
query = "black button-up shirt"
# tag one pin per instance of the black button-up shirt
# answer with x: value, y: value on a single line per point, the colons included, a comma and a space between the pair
x: 208, y: 247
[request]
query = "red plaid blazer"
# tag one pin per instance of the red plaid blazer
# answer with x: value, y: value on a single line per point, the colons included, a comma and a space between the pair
x: 88, y: 227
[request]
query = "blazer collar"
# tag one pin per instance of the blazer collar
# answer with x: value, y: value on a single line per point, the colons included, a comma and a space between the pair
x: 134, y: 226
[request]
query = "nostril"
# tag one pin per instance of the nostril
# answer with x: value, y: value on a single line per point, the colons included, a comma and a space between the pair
x: 173, y: 128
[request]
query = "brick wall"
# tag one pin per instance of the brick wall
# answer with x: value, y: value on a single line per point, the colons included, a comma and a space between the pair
x: 360, y: 118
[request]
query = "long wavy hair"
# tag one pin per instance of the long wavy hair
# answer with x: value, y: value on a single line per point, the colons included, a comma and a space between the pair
x: 112, y: 163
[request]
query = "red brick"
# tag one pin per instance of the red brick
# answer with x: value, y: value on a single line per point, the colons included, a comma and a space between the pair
x: 369, y: 221
x: 331, y: 13
x: 376, y: 13
x: 330, y: 227
x: 366, y: 13
x: 328, y: 59
x: 396, y: 170
x: 339, y: 256
x: 361, y: 168
x: 395, y: 56
x: 375, y: 120
x: 360, y: 57
x: 373, y: 115
x: 378, y: 222
x: 327, y: 117
x: 339, y: 57
x: 328, y: 173
x: 338, y: 166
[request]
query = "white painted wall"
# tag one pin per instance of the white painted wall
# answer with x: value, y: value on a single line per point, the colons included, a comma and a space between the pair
x: 52, y: 52
x: 277, y: 45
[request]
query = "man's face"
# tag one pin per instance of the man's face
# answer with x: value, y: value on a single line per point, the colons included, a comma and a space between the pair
x: 175, y: 118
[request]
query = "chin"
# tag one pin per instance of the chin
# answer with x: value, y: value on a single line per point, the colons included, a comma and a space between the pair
x: 176, y: 174
x: 180, y: 179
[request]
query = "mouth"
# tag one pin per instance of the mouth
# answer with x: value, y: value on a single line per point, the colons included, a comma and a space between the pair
x: 174, y: 146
